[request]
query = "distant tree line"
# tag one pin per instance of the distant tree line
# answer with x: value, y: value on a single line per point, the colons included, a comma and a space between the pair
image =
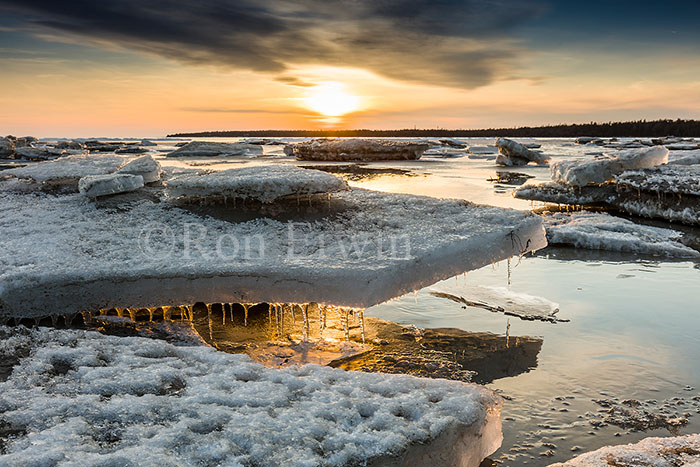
x: 640, y: 128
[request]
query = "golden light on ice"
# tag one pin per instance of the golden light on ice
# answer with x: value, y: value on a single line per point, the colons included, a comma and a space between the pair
x: 331, y: 99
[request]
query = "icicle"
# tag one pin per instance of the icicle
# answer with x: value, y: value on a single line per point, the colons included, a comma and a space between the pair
x: 68, y: 320
x: 87, y: 317
x: 509, y: 280
x: 166, y: 313
x: 281, y: 320
x: 150, y: 315
x: 269, y: 314
x: 230, y: 308
x: 190, y: 310
x: 245, y: 315
x: 291, y: 309
x: 54, y: 320
x: 120, y: 312
x: 346, y: 325
x: 362, y: 324
x: 305, y: 326
x: 223, y: 313
x: 508, y: 334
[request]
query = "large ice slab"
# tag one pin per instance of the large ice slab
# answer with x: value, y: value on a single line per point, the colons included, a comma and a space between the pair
x: 604, y: 168
x: 207, y: 149
x: 667, y: 180
x: 68, y: 169
x: 652, y: 452
x: 85, y: 398
x: 355, y: 150
x: 600, y: 231
x: 265, y: 184
x: 151, y: 254
x: 512, y: 153
x: 145, y: 166
x: 95, y: 186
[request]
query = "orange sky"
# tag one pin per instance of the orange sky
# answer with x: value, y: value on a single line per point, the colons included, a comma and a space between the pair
x: 59, y: 84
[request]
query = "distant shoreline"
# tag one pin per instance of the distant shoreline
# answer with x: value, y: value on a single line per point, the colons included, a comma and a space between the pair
x: 638, y: 129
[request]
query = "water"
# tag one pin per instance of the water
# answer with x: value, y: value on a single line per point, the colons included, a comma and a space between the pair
x: 634, y: 329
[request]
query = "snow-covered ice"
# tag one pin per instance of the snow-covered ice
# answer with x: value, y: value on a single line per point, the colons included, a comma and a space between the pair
x: 666, y: 180
x: 650, y: 452
x: 600, y: 231
x: 604, y: 168
x: 69, y: 169
x: 512, y: 153
x: 207, y: 149
x: 145, y: 166
x: 82, y: 398
x: 265, y: 184
x: 355, y: 150
x: 94, y: 186
x: 148, y: 254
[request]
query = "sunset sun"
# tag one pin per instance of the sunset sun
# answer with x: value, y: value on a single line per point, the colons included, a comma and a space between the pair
x: 331, y: 99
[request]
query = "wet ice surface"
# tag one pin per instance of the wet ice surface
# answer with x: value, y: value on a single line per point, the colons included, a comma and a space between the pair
x: 634, y: 330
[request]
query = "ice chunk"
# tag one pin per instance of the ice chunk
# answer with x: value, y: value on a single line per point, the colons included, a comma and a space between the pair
x: 145, y: 166
x: 600, y: 231
x: 83, y: 398
x: 146, y: 142
x: 506, y: 301
x: 148, y: 254
x: 588, y: 140
x: 684, y: 158
x: 652, y: 452
x: 513, y: 153
x: 94, y: 186
x: 355, y: 150
x: 604, y: 168
x: 265, y: 184
x: 68, y: 169
x: 207, y: 149
x: 666, y: 180
x: 7, y: 147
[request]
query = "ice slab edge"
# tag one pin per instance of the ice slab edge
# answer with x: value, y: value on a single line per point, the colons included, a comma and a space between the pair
x: 284, y: 284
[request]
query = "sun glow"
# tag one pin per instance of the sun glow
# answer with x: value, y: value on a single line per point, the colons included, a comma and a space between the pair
x: 331, y: 99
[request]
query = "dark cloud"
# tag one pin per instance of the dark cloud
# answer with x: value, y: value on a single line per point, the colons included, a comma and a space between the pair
x: 441, y: 42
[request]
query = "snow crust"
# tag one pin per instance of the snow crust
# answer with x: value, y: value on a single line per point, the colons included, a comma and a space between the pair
x: 604, y: 168
x: 265, y: 184
x: 145, y: 166
x: 600, y: 231
x: 148, y: 254
x: 355, y: 150
x: 512, y: 153
x: 94, y: 186
x: 82, y: 398
x: 678, y: 179
x: 70, y: 168
x: 650, y: 452
x: 207, y: 149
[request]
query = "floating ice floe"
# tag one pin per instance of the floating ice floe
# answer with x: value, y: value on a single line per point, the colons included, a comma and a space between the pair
x: 506, y: 301
x: 600, y: 231
x: 94, y: 186
x: 146, y: 142
x: 265, y: 184
x: 68, y: 170
x: 206, y: 149
x: 149, y: 254
x: 588, y: 140
x: 84, y: 398
x: 652, y: 452
x: 355, y: 150
x: 511, y: 153
x: 602, y: 169
x: 145, y: 166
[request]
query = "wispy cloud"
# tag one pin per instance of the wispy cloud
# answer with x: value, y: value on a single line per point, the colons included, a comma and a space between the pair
x: 458, y: 43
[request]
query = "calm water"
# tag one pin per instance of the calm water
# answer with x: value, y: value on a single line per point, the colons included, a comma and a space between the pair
x: 634, y: 330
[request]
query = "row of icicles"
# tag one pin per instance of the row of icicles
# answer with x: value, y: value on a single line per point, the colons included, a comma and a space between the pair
x: 276, y: 316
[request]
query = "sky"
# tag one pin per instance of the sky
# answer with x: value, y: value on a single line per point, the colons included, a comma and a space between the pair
x: 135, y: 68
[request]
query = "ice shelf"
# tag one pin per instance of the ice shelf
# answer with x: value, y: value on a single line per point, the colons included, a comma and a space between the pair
x: 63, y: 252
